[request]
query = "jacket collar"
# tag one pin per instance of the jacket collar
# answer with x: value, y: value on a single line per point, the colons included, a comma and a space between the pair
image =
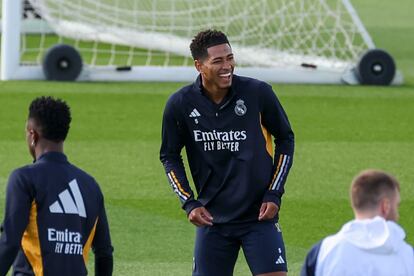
x: 52, y: 156
x: 198, y: 88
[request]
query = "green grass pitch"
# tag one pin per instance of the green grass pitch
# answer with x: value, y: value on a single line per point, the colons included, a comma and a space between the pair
x: 115, y: 136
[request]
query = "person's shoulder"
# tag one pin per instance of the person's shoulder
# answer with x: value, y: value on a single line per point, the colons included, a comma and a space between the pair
x: 186, y: 89
x: 398, y: 232
x: 331, y: 242
x: 21, y: 172
x: 318, y: 252
x: 309, y: 266
x: 81, y: 172
x: 182, y: 93
x: 252, y: 84
x: 243, y: 80
x: 21, y: 178
x: 407, y: 249
x: 86, y: 178
x: 316, y: 247
x: 179, y: 99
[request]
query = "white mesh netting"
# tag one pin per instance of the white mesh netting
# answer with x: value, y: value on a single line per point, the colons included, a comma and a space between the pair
x: 158, y: 32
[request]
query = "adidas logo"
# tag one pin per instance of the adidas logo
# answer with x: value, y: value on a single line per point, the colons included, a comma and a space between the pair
x: 70, y: 205
x: 195, y: 113
x: 280, y: 260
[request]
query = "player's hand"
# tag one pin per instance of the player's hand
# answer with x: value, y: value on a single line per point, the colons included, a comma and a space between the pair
x: 268, y: 211
x: 200, y: 216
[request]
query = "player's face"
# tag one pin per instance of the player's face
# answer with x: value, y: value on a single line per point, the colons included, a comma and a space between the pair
x: 394, y: 205
x: 217, y: 69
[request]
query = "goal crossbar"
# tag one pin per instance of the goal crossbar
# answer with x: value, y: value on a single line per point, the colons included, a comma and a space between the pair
x: 270, y: 64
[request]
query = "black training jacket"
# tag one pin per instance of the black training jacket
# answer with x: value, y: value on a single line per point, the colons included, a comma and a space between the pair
x: 54, y: 215
x: 229, y: 149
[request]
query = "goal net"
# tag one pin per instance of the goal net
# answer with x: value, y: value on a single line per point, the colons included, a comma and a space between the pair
x: 314, y: 38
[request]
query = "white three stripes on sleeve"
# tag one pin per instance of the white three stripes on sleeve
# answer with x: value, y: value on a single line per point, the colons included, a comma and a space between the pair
x: 282, y: 173
x: 175, y: 187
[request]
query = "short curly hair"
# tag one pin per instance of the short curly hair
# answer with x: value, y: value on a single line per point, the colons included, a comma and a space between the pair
x: 52, y: 116
x: 204, y: 40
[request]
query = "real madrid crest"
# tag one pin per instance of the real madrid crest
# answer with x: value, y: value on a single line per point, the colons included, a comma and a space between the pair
x: 240, y: 109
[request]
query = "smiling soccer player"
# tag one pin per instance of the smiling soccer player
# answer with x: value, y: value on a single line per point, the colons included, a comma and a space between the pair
x: 226, y: 123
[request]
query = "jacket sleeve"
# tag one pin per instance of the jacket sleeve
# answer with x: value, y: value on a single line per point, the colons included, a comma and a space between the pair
x: 309, y: 266
x: 18, y: 203
x: 173, y: 140
x: 275, y: 120
x: 102, y: 247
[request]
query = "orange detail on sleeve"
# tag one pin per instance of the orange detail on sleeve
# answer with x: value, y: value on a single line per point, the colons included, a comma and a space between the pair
x: 279, y: 164
x: 268, y: 138
x: 88, y: 244
x: 179, y: 185
x: 31, y: 243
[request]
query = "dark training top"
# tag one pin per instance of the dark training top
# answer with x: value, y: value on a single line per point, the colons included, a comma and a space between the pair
x: 54, y: 214
x: 229, y: 149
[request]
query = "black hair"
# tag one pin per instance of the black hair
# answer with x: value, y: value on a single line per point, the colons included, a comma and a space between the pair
x: 204, y: 40
x: 52, y: 116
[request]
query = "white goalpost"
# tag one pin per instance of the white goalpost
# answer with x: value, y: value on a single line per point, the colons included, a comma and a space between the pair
x: 288, y: 41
